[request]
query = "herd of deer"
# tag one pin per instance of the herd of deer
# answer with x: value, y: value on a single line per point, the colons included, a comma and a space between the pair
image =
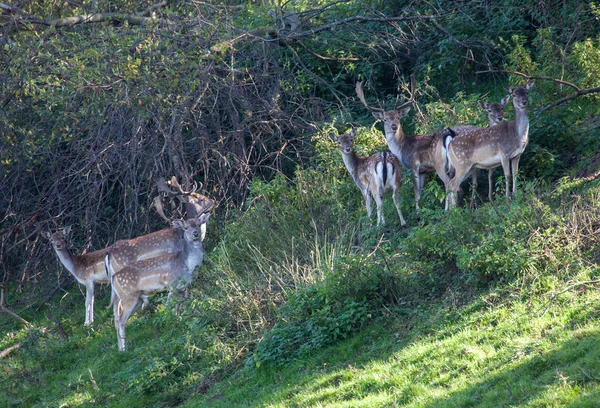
x: 157, y: 262
x: 454, y: 153
x: 164, y: 260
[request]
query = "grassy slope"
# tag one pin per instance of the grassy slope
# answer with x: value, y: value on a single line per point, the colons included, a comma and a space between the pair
x: 515, y: 353
x: 461, y: 346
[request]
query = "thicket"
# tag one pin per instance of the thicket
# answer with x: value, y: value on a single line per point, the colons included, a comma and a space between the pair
x: 227, y: 94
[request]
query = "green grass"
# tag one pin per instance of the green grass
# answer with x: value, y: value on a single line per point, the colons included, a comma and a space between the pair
x: 388, y: 317
x: 477, y: 355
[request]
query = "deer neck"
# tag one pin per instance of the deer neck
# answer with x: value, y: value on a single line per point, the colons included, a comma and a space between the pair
x: 352, y: 162
x: 397, y: 142
x: 522, y: 125
x: 66, y: 259
x: 192, y: 255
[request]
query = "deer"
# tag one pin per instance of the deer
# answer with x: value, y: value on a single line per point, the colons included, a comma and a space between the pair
x: 89, y: 269
x: 502, y: 144
x: 422, y: 153
x: 132, y: 284
x: 373, y: 175
x: 495, y: 113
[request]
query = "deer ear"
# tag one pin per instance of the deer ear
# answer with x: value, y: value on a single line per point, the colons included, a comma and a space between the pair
x: 353, y: 133
x: 483, y: 104
x: 404, y: 111
x: 66, y: 230
x: 378, y: 115
x: 177, y: 224
x: 529, y: 85
x: 203, y: 218
x: 505, y: 100
x: 509, y: 90
x: 46, y: 235
x: 333, y: 137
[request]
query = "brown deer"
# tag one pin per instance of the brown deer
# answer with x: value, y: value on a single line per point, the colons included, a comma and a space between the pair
x: 487, y: 148
x: 495, y: 113
x: 88, y: 268
x: 374, y: 175
x: 132, y: 284
x: 422, y: 154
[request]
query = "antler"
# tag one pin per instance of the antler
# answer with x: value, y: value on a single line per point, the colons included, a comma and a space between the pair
x: 412, y: 93
x: 180, y: 191
x: 361, y: 96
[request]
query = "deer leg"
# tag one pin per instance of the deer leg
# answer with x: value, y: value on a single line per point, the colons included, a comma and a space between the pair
x: 397, y: 204
x: 454, y: 184
x: 379, y: 202
x: 473, y: 187
x: 506, y: 168
x: 490, y: 183
x: 89, y: 303
x: 368, y: 203
x: 417, y: 189
x: 128, y: 308
x: 515, y: 168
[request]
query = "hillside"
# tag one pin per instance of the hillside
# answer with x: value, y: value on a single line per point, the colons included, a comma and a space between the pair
x: 301, y: 300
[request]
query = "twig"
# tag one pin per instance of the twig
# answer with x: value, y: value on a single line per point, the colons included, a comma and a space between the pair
x: 568, y: 288
x: 546, y: 78
x: 10, y: 312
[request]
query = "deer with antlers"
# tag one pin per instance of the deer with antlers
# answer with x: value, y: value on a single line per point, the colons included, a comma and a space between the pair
x: 89, y: 269
x: 132, y: 284
x: 421, y: 154
x: 374, y: 175
x: 490, y: 147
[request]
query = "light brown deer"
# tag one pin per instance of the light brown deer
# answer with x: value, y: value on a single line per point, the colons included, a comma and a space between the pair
x: 169, y: 272
x: 495, y: 113
x: 374, y: 175
x: 88, y: 268
x: 487, y: 148
x: 422, y: 154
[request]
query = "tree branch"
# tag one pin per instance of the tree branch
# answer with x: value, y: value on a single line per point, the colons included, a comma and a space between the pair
x: 546, y: 78
x: 133, y: 18
x: 9, y: 312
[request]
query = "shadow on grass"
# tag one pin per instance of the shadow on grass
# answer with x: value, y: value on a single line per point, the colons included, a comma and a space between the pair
x: 569, y: 375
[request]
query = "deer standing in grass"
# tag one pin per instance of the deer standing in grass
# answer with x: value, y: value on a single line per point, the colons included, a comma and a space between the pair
x: 132, y: 284
x: 89, y: 269
x: 487, y: 148
x: 374, y: 175
x: 421, y: 154
x: 495, y: 113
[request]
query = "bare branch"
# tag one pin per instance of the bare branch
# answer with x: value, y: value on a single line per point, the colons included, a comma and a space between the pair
x: 558, y: 81
x: 568, y: 98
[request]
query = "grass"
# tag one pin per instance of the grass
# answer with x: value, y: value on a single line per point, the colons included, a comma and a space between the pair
x: 443, y: 328
x: 481, y: 355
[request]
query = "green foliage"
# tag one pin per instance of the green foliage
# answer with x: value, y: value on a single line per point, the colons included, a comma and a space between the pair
x: 329, y: 310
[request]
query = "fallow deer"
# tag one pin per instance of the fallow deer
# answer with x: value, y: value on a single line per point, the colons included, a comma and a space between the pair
x: 374, y: 175
x: 132, y: 284
x: 487, y: 148
x: 421, y: 154
x: 88, y: 268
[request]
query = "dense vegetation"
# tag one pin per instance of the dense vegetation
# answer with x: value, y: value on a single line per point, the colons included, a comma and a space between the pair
x: 300, y: 300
